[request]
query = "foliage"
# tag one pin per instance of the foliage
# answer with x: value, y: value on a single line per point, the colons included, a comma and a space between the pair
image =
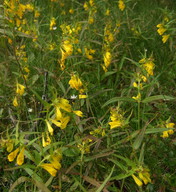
x: 87, y: 98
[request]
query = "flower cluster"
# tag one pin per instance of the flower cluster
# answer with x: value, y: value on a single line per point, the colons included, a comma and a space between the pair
x: 54, y: 164
x: 20, y: 157
x: 143, y: 176
x: 76, y: 83
x: 162, y: 29
x: 117, y: 119
x: 19, y: 92
x: 169, y: 132
x: 121, y: 5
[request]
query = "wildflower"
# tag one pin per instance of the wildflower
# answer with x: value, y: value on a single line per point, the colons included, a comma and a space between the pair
x: 107, y: 12
x: 107, y: 60
x: 161, y: 29
x: 50, y: 129
x: 165, y: 38
x: 86, y: 7
x: 15, y: 102
x: 121, y: 5
x: 148, y: 65
x: 9, y: 145
x: 138, y: 97
x: 117, y: 119
x: 50, y: 168
x: 78, y: 113
x: 52, y: 23
x: 63, y: 121
x: 13, y: 154
x: 20, y: 89
x: 137, y: 180
x: 169, y: 132
x: 82, y: 96
x: 89, y: 52
x: 75, y: 82
x: 54, y: 164
x: 47, y: 141
x: 91, y: 20
x: 84, y: 147
x: 71, y: 11
x: 64, y: 104
x: 20, y: 157
x: 98, y: 131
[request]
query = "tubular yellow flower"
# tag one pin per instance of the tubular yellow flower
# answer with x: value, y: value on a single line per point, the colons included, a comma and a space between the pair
x: 20, y: 89
x: 107, y: 60
x: 115, y: 124
x: 64, y: 104
x: 52, y: 23
x: 121, y: 5
x: 78, y: 113
x: 47, y: 141
x: 75, y: 82
x: 83, y: 96
x: 137, y: 180
x: 50, y: 129
x: 161, y: 29
x: 13, y: 154
x: 165, y: 38
x: 20, y: 157
x: 138, y: 97
x: 50, y: 168
x: 15, y: 102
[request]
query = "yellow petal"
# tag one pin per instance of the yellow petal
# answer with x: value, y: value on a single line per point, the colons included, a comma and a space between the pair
x: 137, y: 181
x: 20, y: 89
x: 13, y: 154
x: 20, y: 157
x: 50, y: 129
x: 78, y: 113
x: 115, y: 124
x: 15, y: 102
x: 50, y: 168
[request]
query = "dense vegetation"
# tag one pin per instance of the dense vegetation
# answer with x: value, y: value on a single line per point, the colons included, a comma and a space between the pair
x: 87, y: 97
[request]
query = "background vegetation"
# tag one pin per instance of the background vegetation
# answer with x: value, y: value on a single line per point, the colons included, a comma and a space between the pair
x: 87, y: 98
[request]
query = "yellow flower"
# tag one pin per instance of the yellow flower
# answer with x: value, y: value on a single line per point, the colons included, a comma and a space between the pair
x: 50, y: 129
x: 107, y: 60
x: 20, y: 157
x: 169, y: 132
x: 63, y: 122
x: 71, y: 11
x: 121, y: 5
x: 165, y: 38
x: 137, y: 180
x: 86, y: 7
x: 161, y: 29
x: 75, y: 82
x: 52, y: 24
x: 82, y: 96
x: 9, y: 145
x: 78, y: 113
x: 47, y: 141
x: 13, y: 154
x: 15, y: 102
x: 138, y: 97
x: 115, y: 124
x: 107, y: 12
x: 20, y: 89
x: 64, y: 104
x: 50, y: 168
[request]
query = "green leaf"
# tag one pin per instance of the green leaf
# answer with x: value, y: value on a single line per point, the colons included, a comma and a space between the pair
x: 139, y: 139
x: 115, y: 99
x: 156, y: 130
x: 17, y: 182
x: 157, y: 97
x: 105, y: 181
x: 41, y: 186
x: 33, y: 174
x: 108, y: 74
x: 124, y: 168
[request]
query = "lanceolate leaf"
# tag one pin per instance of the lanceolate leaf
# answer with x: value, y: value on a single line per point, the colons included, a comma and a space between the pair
x: 157, y: 97
x: 115, y: 99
